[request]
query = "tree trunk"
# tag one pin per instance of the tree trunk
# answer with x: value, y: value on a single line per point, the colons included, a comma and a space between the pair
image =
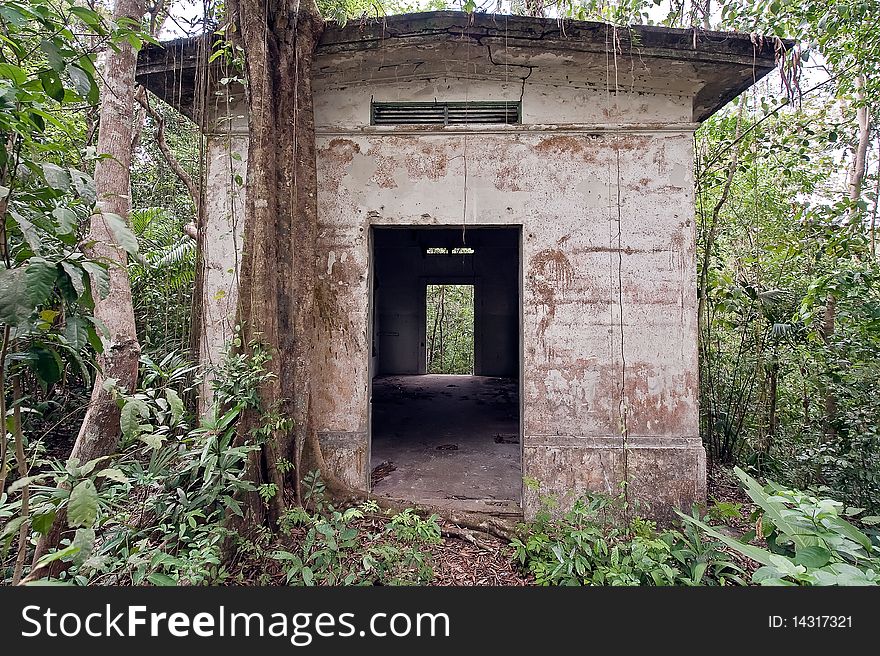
x: 856, y: 181
x: 99, y: 433
x: 277, y: 279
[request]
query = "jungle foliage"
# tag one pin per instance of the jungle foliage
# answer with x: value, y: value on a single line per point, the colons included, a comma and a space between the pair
x: 449, y: 343
x: 789, y: 292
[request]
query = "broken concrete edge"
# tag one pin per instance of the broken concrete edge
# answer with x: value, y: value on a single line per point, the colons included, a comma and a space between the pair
x: 170, y: 70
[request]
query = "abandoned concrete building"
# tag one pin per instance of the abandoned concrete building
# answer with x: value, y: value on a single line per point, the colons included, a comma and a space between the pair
x: 548, y: 165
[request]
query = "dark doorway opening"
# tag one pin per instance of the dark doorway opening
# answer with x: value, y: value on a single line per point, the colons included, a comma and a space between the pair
x: 445, y: 401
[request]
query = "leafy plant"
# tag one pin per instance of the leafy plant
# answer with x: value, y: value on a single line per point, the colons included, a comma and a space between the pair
x: 809, y: 542
x: 589, y: 545
x: 340, y: 547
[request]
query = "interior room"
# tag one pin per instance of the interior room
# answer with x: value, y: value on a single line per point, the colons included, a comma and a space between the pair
x: 445, y: 398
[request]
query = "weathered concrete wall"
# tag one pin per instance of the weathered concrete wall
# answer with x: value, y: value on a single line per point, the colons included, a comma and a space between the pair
x: 226, y: 163
x: 609, y: 293
x: 601, y: 184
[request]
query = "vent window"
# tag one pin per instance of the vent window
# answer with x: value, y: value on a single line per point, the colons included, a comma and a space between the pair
x: 445, y: 113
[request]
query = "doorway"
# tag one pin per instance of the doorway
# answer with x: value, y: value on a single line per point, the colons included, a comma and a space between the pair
x: 445, y: 368
x: 449, y: 329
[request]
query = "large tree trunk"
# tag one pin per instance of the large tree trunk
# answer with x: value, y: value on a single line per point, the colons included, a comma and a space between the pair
x: 99, y: 433
x: 277, y: 278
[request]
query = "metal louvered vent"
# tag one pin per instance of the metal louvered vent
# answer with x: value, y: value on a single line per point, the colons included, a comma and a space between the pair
x: 445, y: 113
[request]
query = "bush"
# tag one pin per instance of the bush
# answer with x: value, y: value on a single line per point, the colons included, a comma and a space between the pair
x: 808, y: 541
x: 589, y: 546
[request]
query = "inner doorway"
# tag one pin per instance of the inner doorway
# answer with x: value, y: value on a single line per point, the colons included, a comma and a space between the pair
x: 449, y: 329
x: 445, y: 398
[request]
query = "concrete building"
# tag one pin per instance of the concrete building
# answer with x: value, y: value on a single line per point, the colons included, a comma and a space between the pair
x: 562, y: 156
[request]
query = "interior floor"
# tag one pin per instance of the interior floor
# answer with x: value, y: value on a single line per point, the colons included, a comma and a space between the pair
x: 447, y: 440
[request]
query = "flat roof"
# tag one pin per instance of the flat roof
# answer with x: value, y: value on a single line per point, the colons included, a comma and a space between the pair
x: 733, y: 61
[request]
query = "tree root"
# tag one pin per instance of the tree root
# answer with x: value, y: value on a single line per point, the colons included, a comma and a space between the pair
x: 466, y: 521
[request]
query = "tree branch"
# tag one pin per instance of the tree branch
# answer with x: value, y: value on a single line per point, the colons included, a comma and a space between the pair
x: 182, y: 175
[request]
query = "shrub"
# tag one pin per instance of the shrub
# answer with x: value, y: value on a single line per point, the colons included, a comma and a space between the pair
x: 589, y: 546
x: 808, y: 541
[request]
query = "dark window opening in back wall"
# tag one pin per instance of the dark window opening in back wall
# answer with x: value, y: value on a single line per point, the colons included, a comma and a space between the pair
x: 445, y: 113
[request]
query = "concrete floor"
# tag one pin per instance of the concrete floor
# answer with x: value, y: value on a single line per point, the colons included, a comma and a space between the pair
x: 447, y: 440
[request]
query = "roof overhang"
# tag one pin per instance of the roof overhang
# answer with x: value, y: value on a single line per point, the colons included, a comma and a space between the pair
x: 727, y: 62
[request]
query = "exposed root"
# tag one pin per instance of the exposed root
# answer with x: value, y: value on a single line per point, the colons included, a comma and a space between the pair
x: 470, y: 522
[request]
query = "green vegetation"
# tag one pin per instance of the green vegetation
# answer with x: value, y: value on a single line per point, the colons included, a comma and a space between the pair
x: 789, y: 316
x: 450, y: 329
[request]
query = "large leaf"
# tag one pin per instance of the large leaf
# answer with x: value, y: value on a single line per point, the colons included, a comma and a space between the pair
x: 42, y: 523
x: 76, y: 277
x: 82, y: 509
x: 129, y: 419
x: 755, y: 553
x: 15, y: 304
x: 121, y: 232
x: 82, y: 81
x: 776, y: 511
x: 813, y: 557
x: 56, y: 177
x: 84, y: 540
x: 176, y: 405
x: 99, y: 276
x: 84, y: 185
x: 47, y: 364
x: 67, y: 219
x: 76, y: 332
x: 40, y: 277
x: 113, y: 474
x: 159, y: 579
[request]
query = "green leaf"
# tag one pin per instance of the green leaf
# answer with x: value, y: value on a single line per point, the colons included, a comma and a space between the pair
x: 175, y: 403
x: 15, y: 305
x: 113, y: 474
x: 848, y: 530
x: 67, y: 219
x: 813, y: 557
x: 129, y: 419
x: 47, y: 364
x: 52, y: 85
x: 42, y: 523
x: 774, y: 510
x: 31, y: 234
x: 76, y: 277
x: 53, y: 56
x: 84, y: 540
x: 121, y: 232
x: 755, y: 553
x: 57, y: 555
x: 40, y: 277
x: 82, y: 81
x: 152, y: 440
x: 13, y: 72
x: 159, y: 579
x: 12, y: 527
x: 76, y: 332
x: 87, y: 16
x: 25, y: 480
x: 100, y: 277
x: 82, y: 509
x: 56, y: 177
x: 84, y: 185
x: 308, y: 575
